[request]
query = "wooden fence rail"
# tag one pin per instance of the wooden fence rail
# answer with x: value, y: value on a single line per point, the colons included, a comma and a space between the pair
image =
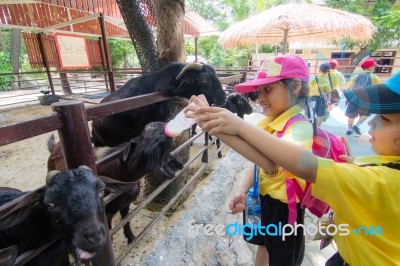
x: 70, y: 119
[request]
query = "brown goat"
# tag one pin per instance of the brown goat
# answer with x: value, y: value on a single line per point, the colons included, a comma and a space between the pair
x: 144, y: 154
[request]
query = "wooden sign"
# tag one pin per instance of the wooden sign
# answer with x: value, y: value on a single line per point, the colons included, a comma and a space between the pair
x: 72, y: 51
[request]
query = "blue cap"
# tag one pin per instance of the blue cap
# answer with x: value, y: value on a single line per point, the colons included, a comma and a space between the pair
x: 325, y: 67
x: 377, y: 99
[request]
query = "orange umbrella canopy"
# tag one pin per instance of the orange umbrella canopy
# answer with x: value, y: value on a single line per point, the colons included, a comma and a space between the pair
x: 298, y: 22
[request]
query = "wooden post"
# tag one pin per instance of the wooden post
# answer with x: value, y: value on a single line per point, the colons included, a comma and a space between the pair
x: 77, y: 149
x: 103, y: 60
x: 45, y: 61
x: 195, y: 48
x: 244, y: 77
x: 285, y: 39
x: 106, y: 53
x: 74, y: 134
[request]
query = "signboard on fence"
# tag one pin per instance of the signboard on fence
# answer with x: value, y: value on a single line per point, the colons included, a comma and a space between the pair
x: 72, y: 51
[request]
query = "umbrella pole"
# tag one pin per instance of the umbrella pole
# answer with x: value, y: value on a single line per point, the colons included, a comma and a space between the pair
x: 285, y: 37
x: 258, y: 59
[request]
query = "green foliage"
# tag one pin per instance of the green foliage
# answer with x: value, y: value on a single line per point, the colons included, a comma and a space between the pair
x: 189, y: 46
x: 210, y: 49
x: 384, y: 14
x: 241, y: 9
x: 5, y: 67
x: 266, y: 48
x: 388, y: 23
x: 221, y: 13
x: 123, y: 54
x: 213, y: 11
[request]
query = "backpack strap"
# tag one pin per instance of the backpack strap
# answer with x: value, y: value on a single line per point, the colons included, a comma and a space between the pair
x: 319, y: 90
x: 256, y: 181
x: 291, y: 121
x: 292, y: 186
x: 330, y: 80
x: 291, y: 198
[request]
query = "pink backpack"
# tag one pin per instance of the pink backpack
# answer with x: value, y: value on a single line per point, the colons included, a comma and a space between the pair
x: 326, y: 145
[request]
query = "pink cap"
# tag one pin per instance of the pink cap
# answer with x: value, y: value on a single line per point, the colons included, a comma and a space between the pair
x: 275, y: 69
x: 368, y: 63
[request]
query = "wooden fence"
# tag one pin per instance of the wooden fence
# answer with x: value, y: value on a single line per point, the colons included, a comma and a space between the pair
x: 71, y: 120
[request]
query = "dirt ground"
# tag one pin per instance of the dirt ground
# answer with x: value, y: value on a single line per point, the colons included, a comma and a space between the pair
x: 23, y: 163
x: 24, y: 166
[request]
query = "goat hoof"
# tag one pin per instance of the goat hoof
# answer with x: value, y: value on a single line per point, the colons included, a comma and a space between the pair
x: 130, y: 238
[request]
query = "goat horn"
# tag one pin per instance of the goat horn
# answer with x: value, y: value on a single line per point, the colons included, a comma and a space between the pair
x: 50, y: 175
x: 192, y: 66
x: 86, y: 167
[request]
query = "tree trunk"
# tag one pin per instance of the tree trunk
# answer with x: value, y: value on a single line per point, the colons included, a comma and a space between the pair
x: 139, y: 17
x: 356, y: 58
x: 15, y: 53
x: 15, y: 49
x: 170, y: 36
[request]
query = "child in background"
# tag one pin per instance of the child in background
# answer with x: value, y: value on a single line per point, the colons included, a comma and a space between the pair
x: 321, y: 80
x: 364, y: 78
x: 337, y: 78
x: 365, y: 194
x: 283, y: 91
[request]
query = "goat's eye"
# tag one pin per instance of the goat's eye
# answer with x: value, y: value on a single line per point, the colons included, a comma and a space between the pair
x: 204, y: 80
x: 102, y: 192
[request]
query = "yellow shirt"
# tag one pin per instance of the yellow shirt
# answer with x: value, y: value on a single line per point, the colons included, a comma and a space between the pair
x: 374, y: 79
x: 323, y: 83
x: 363, y: 196
x: 337, y: 79
x: 300, y: 133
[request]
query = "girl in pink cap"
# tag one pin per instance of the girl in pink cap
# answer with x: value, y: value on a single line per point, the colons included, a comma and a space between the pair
x: 365, y: 193
x: 283, y: 92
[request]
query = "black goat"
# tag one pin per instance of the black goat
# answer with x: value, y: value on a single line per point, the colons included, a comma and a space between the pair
x: 175, y: 79
x: 146, y: 153
x: 69, y: 209
x: 252, y: 96
x: 238, y: 104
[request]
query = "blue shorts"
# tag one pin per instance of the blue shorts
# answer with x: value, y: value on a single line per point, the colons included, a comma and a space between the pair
x: 352, y: 112
x: 320, y: 107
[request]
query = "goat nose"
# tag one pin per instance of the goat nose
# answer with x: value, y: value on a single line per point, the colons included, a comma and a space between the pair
x: 95, y: 234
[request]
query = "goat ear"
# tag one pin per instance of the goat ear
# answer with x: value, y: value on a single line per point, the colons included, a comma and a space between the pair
x: 17, y: 212
x: 115, y: 186
x: 126, y: 152
x: 183, y: 86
